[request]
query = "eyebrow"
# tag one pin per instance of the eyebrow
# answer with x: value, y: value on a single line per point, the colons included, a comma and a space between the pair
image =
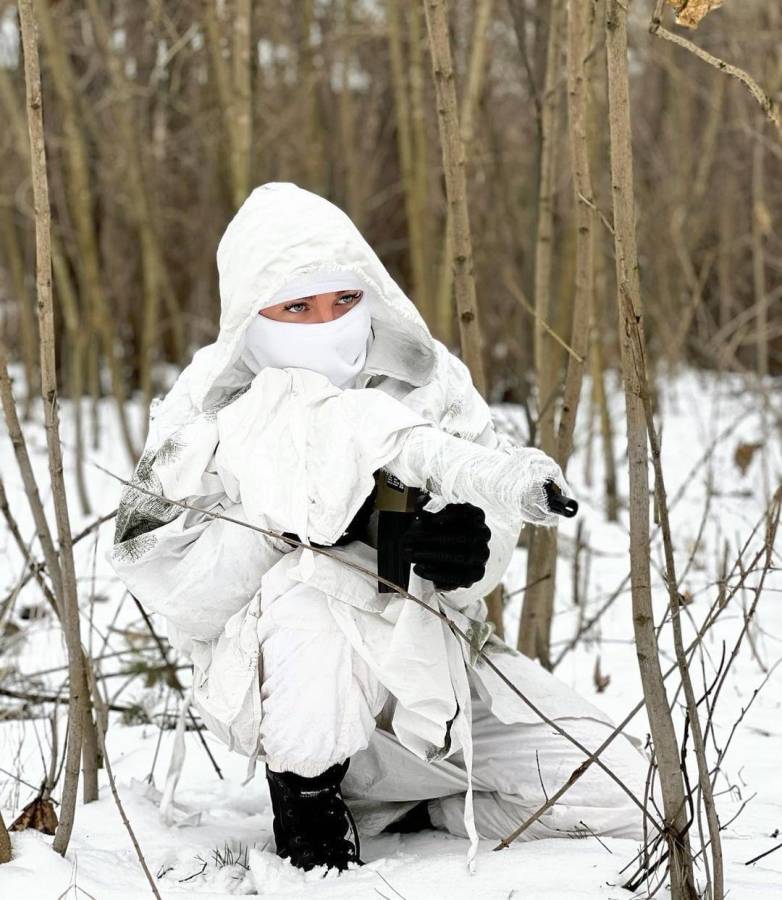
x: 312, y: 296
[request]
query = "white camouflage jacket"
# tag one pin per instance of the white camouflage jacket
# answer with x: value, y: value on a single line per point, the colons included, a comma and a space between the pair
x: 286, y: 450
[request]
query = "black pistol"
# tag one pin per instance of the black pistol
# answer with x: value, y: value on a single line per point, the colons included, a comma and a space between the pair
x: 396, y: 504
x: 558, y: 503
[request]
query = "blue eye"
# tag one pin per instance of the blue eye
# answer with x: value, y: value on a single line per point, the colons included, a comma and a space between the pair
x: 292, y: 307
x: 351, y: 298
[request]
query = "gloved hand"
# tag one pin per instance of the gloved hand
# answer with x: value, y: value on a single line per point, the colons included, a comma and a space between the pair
x: 507, y: 482
x: 532, y: 468
x: 450, y: 547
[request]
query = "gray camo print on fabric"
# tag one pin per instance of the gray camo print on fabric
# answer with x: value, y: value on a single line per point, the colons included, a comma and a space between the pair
x: 138, y: 513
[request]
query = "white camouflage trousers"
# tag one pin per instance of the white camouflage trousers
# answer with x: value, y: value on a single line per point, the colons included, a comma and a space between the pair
x: 321, y: 705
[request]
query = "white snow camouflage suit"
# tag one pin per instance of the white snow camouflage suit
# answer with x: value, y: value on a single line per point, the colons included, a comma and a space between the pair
x: 297, y: 659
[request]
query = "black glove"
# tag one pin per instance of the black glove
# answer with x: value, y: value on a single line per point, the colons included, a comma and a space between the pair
x: 449, y: 548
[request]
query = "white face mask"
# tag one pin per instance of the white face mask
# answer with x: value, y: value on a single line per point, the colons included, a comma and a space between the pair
x: 336, y: 349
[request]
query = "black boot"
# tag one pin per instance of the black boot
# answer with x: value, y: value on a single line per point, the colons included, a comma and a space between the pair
x: 415, y: 819
x: 312, y: 824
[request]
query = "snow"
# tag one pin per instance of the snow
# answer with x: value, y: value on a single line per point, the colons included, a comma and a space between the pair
x: 226, y: 849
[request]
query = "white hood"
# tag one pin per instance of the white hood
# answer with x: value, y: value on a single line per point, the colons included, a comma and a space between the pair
x: 280, y: 233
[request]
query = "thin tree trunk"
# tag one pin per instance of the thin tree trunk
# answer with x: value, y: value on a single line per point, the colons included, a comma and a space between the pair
x: 153, y: 273
x: 725, y: 278
x: 5, y: 842
x: 578, y: 31
x: 69, y: 595
x: 456, y: 188
x: 26, y: 335
x: 78, y: 338
x: 349, y: 148
x: 544, y: 348
x: 312, y: 136
x: 600, y: 322
x: 222, y: 81
x: 235, y: 100
x: 760, y: 227
x: 538, y: 606
x: 476, y: 71
x: 606, y: 428
x: 636, y: 348
x: 80, y: 197
x: 630, y: 312
x: 242, y: 99
x: 15, y: 253
x: 404, y: 140
x: 417, y: 43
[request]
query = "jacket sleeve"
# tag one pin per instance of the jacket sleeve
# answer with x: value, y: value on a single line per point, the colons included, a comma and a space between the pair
x: 503, y: 541
x: 196, y: 571
x: 193, y: 569
x: 467, y: 415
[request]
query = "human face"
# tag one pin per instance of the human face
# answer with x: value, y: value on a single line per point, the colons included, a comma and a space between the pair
x: 316, y: 309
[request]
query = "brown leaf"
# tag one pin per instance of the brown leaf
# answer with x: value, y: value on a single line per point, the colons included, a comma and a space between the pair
x: 744, y: 454
x: 601, y: 681
x: 690, y: 12
x: 39, y: 814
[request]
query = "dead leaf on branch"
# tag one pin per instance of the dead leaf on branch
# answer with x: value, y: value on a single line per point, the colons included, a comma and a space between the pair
x: 744, y: 454
x: 38, y: 814
x: 690, y: 12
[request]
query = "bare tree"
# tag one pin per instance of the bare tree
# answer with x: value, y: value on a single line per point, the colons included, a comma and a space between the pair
x: 414, y: 201
x: 95, y: 316
x: 538, y: 606
x: 630, y: 322
x: 69, y: 595
x: 456, y: 188
x: 232, y: 76
x: 476, y: 73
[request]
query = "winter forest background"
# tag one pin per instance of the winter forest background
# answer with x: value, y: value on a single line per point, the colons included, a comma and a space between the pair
x: 589, y: 211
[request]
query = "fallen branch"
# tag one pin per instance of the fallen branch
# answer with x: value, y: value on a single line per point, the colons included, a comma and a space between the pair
x: 29, y: 697
x: 761, y: 855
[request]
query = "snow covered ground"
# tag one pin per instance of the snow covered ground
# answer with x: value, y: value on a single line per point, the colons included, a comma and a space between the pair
x: 224, y: 849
